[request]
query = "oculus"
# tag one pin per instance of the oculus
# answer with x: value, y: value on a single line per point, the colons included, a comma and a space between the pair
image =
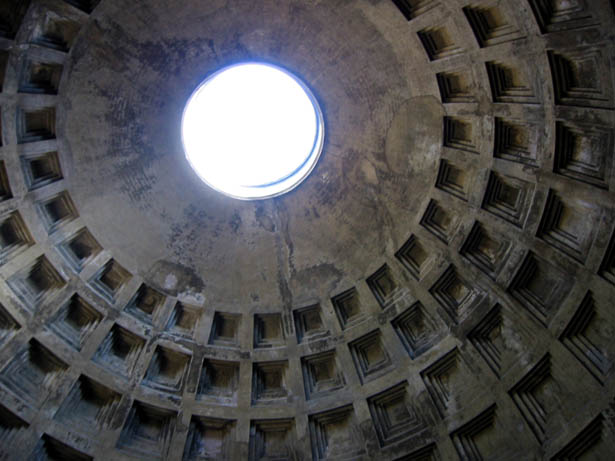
x: 252, y: 131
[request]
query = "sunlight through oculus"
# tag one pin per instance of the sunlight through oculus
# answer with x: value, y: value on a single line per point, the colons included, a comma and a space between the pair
x: 252, y: 131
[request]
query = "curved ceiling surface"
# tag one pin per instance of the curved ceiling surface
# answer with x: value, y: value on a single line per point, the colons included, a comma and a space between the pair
x: 439, y: 287
x: 135, y: 148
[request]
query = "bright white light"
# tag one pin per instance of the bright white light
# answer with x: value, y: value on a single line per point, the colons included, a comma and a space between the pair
x: 252, y: 131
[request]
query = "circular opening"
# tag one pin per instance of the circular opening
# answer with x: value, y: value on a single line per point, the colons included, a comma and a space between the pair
x: 252, y: 131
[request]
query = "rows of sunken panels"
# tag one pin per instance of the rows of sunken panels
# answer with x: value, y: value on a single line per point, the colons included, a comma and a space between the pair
x: 148, y: 430
x: 275, y: 439
x: 91, y: 406
x: 605, y: 268
x: 168, y: 367
x: 530, y: 284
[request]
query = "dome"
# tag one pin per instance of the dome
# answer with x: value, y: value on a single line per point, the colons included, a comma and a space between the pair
x: 440, y: 285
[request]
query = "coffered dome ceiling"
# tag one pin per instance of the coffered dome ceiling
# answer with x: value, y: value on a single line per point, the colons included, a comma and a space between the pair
x: 440, y: 287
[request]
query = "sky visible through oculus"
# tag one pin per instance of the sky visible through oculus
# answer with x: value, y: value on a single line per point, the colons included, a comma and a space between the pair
x: 252, y: 131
